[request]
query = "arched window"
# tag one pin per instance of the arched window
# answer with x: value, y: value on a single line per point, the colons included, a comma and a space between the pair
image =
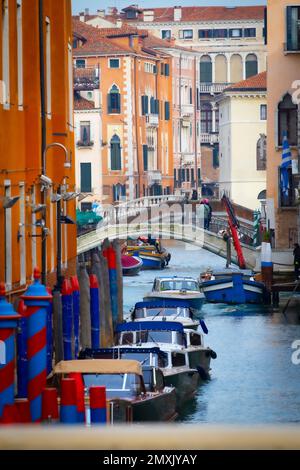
x: 236, y: 68
x: 206, y: 118
x: 251, y: 65
x: 119, y: 192
x: 262, y: 195
x: 206, y: 69
x: 221, y: 69
x: 261, y: 153
x: 287, y: 120
x: 114, y: 100
x: 115, y: 153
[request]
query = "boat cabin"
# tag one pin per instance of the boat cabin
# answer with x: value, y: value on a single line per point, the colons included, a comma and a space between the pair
x: 156, y: 333
x: 177, y: 284
x: 162, y: 310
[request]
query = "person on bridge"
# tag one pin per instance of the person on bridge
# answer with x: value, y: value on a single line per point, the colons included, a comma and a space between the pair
x: 296, y: 254
x: 207, y: 213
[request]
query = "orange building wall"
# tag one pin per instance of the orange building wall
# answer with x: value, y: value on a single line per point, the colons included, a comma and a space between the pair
x: 20, y: 131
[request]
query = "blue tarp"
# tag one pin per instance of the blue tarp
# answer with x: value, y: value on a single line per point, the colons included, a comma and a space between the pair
x: 150, y: 326
x: 114, y: 352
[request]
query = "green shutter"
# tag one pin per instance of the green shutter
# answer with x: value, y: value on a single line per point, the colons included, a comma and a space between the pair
x: 167, y: 70
x: 167, y: 111
x: 206, y: 72
x: 86, y: 177
x: 251, y: 68
x: 145, y: 157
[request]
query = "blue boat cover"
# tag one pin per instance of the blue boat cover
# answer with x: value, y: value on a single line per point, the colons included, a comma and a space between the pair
x: 163, y: 303
x: 150, y: 325
x: 114, y: 352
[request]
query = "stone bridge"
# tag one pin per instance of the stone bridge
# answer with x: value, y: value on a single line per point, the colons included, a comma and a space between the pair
x: 167, y: 217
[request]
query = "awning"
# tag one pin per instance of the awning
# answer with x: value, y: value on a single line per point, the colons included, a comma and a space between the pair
x: 98, y: 366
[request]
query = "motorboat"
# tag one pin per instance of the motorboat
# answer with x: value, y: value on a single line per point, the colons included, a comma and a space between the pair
x: 187, y: 359
x: 126, y: 390
x: 165, y: 309
x: 177, y: 288
x: 131, y: 265
x: 232, y: 287
x: 153, y: 255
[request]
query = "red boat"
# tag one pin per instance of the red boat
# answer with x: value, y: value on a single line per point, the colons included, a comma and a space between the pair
x: 131, y: 265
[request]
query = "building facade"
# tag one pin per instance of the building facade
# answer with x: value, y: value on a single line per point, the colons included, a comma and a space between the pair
x: 243, y: 127
x: 136, y: 94
x: 283, y: 117
x: 36, y: 110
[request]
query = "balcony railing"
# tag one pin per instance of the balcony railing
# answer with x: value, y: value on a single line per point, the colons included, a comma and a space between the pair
x: 213, y: 88
x: 154, y: 176
x: 152, y: 120
x: 209, y: 138
x: 85, y: 143
x: 187, y: 110
x: 86, y: 78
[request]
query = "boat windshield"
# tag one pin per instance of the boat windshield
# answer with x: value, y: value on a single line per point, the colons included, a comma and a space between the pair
x: 158, y: 337
x: 144, y: 359
x: 117, y: 385
x: 184, y: 284
x: 161, y: 312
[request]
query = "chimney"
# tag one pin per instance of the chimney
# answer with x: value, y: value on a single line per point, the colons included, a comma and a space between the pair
x: 148, y: 16
x: 177, y: 13
x: 112, y: 11
x: 87, y: 11
x: 119, y: 23
x: 81, y: 16
x: 101, y: 13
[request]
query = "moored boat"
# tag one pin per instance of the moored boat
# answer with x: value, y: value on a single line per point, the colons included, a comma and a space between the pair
x: 125, y: 388
x: 131, y: 265
x: 165, y: 309
x: 232, y: 287
x: 177, y: 288
x: 153, y: 255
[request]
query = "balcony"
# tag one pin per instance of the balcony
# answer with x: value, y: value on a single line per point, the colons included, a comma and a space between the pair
x: 209, y: 138
x: 187, y: 111
x: 213, y: 88
x: 84, y: 143
x: 86, y: 78
x: 154, y: 177
x: 152, y: 120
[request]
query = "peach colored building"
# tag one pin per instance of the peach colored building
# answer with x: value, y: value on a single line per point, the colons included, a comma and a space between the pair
x: 136, y: 96
x: 27, y: 228
x: 283, y: 116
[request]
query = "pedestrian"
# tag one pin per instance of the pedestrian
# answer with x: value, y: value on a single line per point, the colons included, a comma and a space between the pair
x: 206, y: 214
x: 209, y: 213
x: 296, y: 254
x: 195, y: 195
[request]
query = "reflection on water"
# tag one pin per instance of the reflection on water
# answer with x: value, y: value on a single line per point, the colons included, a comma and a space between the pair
x: 253, y: 380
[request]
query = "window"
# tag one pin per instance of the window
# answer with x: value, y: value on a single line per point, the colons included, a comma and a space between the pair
x: 85, y: 177
x: 48, y: 68
x: 145, y: 157
x: 251, y: 65
x: 235, y: 33
x: 114, y: 101
x: 85, y: 133
x: 114, y: 63
x: 206, y: 69
x: 80, y: 63
x: 287, y: 198
x: 188, y: 174
x: 152, y: 105
x: 178, y: 359
x: 86, y: 206
x: 145, y: 105
x: 205, y: 33
x: 186, y: 34
x: 115, y: 153
x: 119, y: 192
x: 166, y: 34
x: 287, y: 120
x: 195, y: 339
x: 250, y: 32
x: 206, y: 118
x: 75, y: 43
x: 199, y: 177
x: 20, y: 53
x: 263, y: 112
x: 5, y: 54
x: 261, y: 153
x: 191, y: 95
x: 192, y: 176
x: 167, y: 111
x: 220, y: 33
x: 198, y: 99
x: 150, y: 68
x: 293, y: 28
x: 216, y: 162
x: 167, y: 70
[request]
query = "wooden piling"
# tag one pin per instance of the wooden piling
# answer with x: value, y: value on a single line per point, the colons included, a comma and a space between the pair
x: 117, y: 248
x: 85, y: 299
x: 57, y: 326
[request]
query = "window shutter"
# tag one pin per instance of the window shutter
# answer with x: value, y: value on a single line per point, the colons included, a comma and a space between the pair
x: 167, y: 111
x: 109, y: 103
x: 251, y: 68
x: 145, y: 157
x: 206, y: 72
x: 152, y: 105
x: 289, y: 28
x: 199, y: 177
x: 92, y: 138
x: 86, y: 177
x: 167, y: 70
x: 157, y: 107
x: 162, y: 69
x: 155, y: 69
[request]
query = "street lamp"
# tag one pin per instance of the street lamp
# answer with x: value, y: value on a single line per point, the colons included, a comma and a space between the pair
x: 46, y: 183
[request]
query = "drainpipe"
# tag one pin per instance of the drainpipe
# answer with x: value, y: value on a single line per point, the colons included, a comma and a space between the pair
x: 43, y: 126
x: 140, y: 179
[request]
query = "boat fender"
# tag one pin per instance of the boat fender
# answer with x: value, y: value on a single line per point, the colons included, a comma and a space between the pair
x: 202, y: 372
x: 203, y: 326
x: 213, y: 354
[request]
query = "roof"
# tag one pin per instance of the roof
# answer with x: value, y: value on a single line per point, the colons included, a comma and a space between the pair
x: 82, y: 104
x: 150, y: 326
x: 254, y: 83
x: 163, y: 303
x: 99, y: 366
x: 219, y: 13
x: 116, y: 351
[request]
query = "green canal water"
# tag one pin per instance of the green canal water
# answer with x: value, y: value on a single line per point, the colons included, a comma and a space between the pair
x: 253, y: 380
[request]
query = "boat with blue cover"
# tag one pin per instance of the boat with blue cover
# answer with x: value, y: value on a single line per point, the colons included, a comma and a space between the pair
x: 177, y: 288
x: 165, y: 310
x: 188, y: 360
x: 232, y: 287
x: 153, y: 255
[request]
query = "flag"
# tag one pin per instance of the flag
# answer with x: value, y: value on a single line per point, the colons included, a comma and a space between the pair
x: 285, y: 164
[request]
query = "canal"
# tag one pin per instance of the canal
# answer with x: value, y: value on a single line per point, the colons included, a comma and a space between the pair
x: 253, y: 380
